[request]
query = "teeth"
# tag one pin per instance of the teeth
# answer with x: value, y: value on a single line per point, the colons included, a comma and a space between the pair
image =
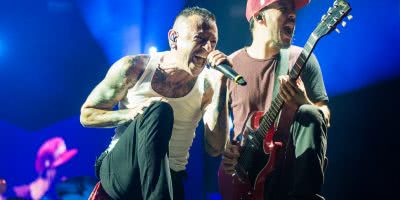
x: 198, y: 57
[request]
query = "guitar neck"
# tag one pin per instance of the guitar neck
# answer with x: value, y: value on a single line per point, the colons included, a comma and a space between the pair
x: 277, y: 103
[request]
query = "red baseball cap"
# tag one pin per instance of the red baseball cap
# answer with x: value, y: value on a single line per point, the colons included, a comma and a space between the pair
x: 52, y: 154
x: 254, y: 6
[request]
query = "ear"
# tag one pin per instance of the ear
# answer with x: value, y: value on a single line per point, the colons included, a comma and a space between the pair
x: 172, y: 38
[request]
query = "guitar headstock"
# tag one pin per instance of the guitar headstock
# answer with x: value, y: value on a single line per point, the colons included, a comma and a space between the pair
x: 332, y: 18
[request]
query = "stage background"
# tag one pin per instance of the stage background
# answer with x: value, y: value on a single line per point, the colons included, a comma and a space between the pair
x: 54, y: 52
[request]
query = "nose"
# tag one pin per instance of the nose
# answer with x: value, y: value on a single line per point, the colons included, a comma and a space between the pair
x: 208, y: 46
x: 292, y: 16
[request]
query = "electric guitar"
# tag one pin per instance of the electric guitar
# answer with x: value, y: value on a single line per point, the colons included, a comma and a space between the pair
x: 258, y: 151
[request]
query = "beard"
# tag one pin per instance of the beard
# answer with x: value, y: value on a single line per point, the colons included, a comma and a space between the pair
x: 280, y: 42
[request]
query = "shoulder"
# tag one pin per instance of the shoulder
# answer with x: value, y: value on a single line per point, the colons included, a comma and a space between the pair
x: 294, y: 53
x: 129, y: 64
x: 126, y: 70
x: 235, y: 54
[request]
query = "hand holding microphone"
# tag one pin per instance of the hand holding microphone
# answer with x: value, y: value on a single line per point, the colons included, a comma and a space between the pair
x: 217, y: 60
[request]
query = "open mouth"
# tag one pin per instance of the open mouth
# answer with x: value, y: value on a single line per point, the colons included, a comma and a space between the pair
x: 288, y: 30
x: 199, y: 61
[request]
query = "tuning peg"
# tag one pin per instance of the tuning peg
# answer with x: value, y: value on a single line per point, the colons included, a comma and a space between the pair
x: 337, y: 30
x: 323, y: 17
x: 344, y: 24
x: 349, y: 17
x: 330, y: 10
x: 335, y: 3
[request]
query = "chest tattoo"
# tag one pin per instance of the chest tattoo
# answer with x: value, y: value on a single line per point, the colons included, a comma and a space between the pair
x: 161, y: 85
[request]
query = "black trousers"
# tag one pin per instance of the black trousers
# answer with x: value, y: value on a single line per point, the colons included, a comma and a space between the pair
x: 137, y: 167
x: 300, y: 170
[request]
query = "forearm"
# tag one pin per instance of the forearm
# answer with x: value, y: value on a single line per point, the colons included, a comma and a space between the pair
x: 322, y: 106
x: 216, y: 120
x: 92, y: 117
x: 325, y: 109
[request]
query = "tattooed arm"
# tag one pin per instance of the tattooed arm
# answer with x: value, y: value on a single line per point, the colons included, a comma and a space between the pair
x: 97, y: 111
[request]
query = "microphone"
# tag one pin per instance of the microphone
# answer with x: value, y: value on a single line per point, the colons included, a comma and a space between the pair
x: 227, y: 71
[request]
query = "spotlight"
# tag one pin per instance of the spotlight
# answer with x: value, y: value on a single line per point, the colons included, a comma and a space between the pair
x: 152, y: 50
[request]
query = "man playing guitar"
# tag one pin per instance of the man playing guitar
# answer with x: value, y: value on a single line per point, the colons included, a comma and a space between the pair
x: 302, y: 126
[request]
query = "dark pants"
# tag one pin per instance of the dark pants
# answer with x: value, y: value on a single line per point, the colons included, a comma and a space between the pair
x: 300, y: 169
x: 178, y: 179
x: 138, y: 167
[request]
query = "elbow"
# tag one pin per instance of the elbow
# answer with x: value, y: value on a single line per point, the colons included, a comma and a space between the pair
x: 84, y: 119
x: 214, y: 141
x: 214, y: 151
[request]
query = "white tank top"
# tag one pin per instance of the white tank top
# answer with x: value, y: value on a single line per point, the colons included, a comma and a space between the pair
x: 187, y: 113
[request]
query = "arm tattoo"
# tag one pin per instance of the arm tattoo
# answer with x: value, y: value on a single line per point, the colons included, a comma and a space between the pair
x: 97, y: 110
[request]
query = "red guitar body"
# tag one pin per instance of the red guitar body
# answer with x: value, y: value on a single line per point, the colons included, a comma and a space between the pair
x: 251, y: 187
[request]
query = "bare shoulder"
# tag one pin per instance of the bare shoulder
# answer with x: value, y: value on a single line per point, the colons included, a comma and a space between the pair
x: 127, y: 70
x: 121, y: 76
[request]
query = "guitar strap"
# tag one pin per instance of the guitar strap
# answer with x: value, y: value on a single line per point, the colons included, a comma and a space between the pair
x: 282, y: 68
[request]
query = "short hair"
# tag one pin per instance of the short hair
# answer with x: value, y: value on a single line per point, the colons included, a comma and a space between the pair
x: 190, y: 11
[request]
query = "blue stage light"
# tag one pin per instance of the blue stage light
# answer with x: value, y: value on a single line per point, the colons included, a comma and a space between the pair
x: 59, y: 6
x: 153, y: 50
x: 2, y: 48
x: 128, y: 27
